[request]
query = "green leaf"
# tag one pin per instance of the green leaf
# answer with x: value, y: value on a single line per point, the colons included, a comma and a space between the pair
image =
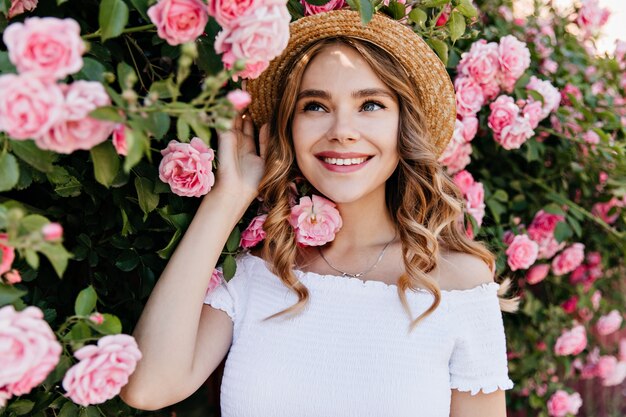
x: 232, y: 244
x: 91, y: 411
x: 69, y: 409
x: 296, y: 9
x: 110, y: 325
x: 28, y: 152
x: 501, y: 195
x: 496, y: 208
x: 166, y: 252
x: 456, y: 25
x: 86, y: 301
x: 366, y: 10
x: 435, y: 3
x: 106, y: 163
x: 575, y: 225
x: 80, y: 331
x: 126, y: 76
x: 9, y: 294
x: 10, y: 172
x: 34, y: 222
x: 109, y: 113
x: 418, y: 16
x: 148, y: 200
x: 32, y: 258
x: 553, y: 208
x: 229, y: 267
x: 137, y: 142
x: 6, y: 66
x: 5, y: 6
x: 66, y: 184
x: 562, y: 232
x: 127, y: 261
x: 92, y: 70
x: 398, y: 10
x: 182, y: 129
x: 112, y: 18
x: 163, y: 88
x: 159, y: 124
x: 142, y: 7
x: 440, y: 47
x: 21, y: 407
x: 57, y: 255
x: 467, y: 9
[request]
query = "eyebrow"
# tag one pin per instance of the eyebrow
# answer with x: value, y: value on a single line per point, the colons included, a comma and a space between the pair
x: 368, y: 92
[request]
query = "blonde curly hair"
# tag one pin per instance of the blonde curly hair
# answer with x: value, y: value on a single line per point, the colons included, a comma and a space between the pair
x: 422, y: 199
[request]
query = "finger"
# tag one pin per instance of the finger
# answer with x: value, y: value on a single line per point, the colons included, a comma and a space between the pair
x: 248, y: 134
x: 236, y: 123
x: 263, y: 140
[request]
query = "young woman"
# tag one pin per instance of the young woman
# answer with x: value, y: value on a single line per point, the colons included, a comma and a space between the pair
x: 399, y: 314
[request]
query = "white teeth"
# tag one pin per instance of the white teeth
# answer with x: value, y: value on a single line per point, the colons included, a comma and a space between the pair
x: 337, y: 161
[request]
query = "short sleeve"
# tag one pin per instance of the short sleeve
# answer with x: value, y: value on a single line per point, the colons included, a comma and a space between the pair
x: 478, y: 360
x: 227, y: 296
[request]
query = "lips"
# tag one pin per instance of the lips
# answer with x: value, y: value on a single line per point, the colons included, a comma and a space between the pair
x: 341, y: 155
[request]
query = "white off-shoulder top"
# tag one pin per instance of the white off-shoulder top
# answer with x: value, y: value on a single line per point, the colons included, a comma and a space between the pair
x: 349, y: 353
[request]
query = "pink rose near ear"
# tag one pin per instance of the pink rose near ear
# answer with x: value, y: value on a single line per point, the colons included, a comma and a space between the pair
x: 239, y: 99
x: 216, y: 279
x: 571, y: 342
x: 52, y: 231
x: 8, y: 254
x: 46, y: 47
x: 609, y: 323
x: 225, y: 11
x: 77, y: 130
x: 257, y: 37
x: 561, y: 404
x: 568, y: 260
x: 537, y: 273
x: 102, y: 370
x: 21, y: 6
x: 315, y: 221
x: 310, y: 9
x: 254, y: 233
x: 456, y: 156
x: 179, y: 21
x: 29, y: 107
x: 29, y: 350
x: 522, y: 252
x: 187, y: 168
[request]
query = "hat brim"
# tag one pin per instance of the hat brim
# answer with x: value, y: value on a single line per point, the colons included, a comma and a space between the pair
x: 432, y: 82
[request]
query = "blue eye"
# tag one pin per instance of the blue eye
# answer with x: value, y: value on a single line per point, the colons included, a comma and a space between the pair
x: 310, y: 105
x: 368, y: 103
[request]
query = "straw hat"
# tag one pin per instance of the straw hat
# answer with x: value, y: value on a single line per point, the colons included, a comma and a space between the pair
x: 431, y: 80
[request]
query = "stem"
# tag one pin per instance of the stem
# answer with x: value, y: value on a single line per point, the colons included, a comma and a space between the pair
x: 129, y: 30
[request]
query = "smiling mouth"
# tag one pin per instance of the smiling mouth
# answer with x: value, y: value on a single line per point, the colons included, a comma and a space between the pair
x: 344, y: 161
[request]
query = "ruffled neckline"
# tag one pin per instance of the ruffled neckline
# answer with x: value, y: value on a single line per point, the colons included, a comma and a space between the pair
x: 320, y: 279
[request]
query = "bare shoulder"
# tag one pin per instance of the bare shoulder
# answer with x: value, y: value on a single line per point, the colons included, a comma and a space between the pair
x: 461, y: 271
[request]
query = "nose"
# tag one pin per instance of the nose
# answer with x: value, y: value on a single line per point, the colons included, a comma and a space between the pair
x: 344, y: 127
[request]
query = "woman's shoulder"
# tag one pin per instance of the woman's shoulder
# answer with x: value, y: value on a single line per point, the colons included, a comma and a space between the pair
x: 459, y: 271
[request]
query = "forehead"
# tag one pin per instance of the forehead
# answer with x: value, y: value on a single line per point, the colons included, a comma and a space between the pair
x: 340, y: 66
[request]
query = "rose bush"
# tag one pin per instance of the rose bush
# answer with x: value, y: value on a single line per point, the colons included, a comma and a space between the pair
x: 108, y: 127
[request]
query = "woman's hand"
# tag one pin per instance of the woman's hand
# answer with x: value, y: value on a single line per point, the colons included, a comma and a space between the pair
x: 240, y: 168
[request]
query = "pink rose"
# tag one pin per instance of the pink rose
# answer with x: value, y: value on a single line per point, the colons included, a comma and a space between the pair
x: 481, y: 62
x: 179, y: 21
x: 226, y: 11
x: 541, y: 230
x: 532, y: 111
x: 216, y: 279
x: 239, y: 99
x: 490, y: 90
x: 514, y: 59
x: 609, y: 323
x: 504, y: 111
x: 513, y: 136
x: 571, y: 342
x: 566, y: 261
x: 522, y: 252
x: 569, y: 305
x: 561, y: 404
x: 602, y: 210
x: 464, y: 180
x: 29, y: 350
x: 551, y: 95
x: 591, y: 17
x: 315, y: 221
x: 8, y: 254
x: 12, y: 277
x: 470, y: 127
x: 617, y: 376
x: 456, y: 156
x: 102, y: 370
x: 52, y: 231
x: 622, y: 349
x: 537, y: 273
x: 187, y: 168
x: 254, y: 233
x: 474, y: 199
x: 21, y: 6
x: 574, y: 91
x: 257, y: 37
x: 310, y: 9
x: 469, y: 96
x: 591, y: 137
x: 28, y: 106
x: 606, y: 366
x: 119, y: 139
x: 46, y: 47
x: 77, y: 130
x: 96, y: 318
x: 595, y: 299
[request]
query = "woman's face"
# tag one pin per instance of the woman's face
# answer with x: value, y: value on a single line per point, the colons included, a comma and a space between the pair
x: 345, y: 126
